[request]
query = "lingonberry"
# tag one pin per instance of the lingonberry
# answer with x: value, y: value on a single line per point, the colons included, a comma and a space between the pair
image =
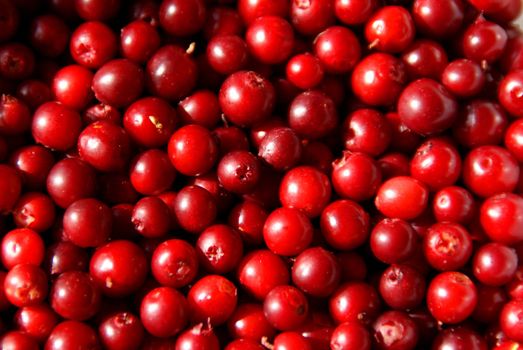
x: 171, y: 73
x: 356, y: 176
x: 354, y: 12
x: 291, y: 340
x: 244, y: 344
x: 138, y: 41
x: 393, y: 164
x: 223, y: 199
x: 366, y: 130
x: 223, y: 20
x: 195, y: 208
x: 390, y: 29
x: 509, y: 92
x: 500, y: 218
x: 287, y: 231
x: 151, y: 172
x: 200, y: 336
x: 311, y: 17
x: 395, y: 330
x: 393, y: 241
x: 246, y: 98
x: 312, y: 114
x: 248, y: 322
x: 260, y: 271
x: 118, y: 268
x: 426, y: 107
x: 212, y: 298
x: 230, y: 138
x: 481, y: 123
x: 10, y: 187
x: 239, y: 172
x: 305, y: 188
x: 270, y: 39
x: 72, y: 334
x: 402, y: 287
x: 490, y: 302
x: 354, y: 302
x: 98, y: 10
x: 248, y: 218
x: 33, y: 164
x: 17, y: 61
x: 15, y: 116
x: 338, y: 49
x: 174, y: 263
x: 101, y: 112
x: 513, y: 141
x: 151, y: 217
x: 25, y: 285
x: 344, y: 224
x: 75, y: 296
x: 286, y: 307
x: 18, y: 340
x: 463, y: 77
x: 510, y: 320
x: 494, y: 264
x: 202, y: 108
x: 72, y: 86
x: 219, y: 248
x: 280, y: 148
x: 87, y: 222
x: 92, y: 44
x: 454, y: 204
x: 447, y: 246
x: 317, y: 154
x: 164, y: 312
x: 304, y: 70
x: 425, y: 59
x: 36, y: 321
x: 439, y: 19
x: 192, y: 150
x: 227, y: 54
x: 306, y: 273
x: 56, y: 126
x: 350, y: 336
x: 122, y: 330
x: 182, y: 17
x: 484, y: 41
x: 402, y: 197
x: 34, y: 92
x: 65, y: 256
x: 22, y: 246
x: 451, y: 297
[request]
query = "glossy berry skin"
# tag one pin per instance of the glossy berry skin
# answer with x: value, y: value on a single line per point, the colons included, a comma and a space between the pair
x: 118, y: 82
x: 344, y: 224
x: 354, y: 12
x: 22, y: 246
x: 225, y: 21
x: 354, y: 302
x: 286, y: 307
x: 402, y: 197
x: 199, y: 337
x: 495, y: 264
x: 316, y: 271
x: 249, y: 10
x: 192, y: 150
x: 171, y: 73
x: 425, y: 59
x: 484, y: 41
x: 92, y: 44
x: 390, y: 29
x: 510, y: 320
x: 426, y: 107
x: 75, y: 296
x: 219, y: 248
x: 249, y: 322
x: 489, y: 170
x: 151, y: 172
x: 378, y: 79
x: 151, y: 217
x: 447, y: 246
x: 15, y: 115
x: 350, y: 336
x: 454, y: 204
x: 463, y: 77
x: 118, y: 268
x: 56, y: 126
x: 313, y: 190
x: 402, y: 287
x: 355, y: 176
x: 393, y: 241
x: 202, y: 108
x: 438, y: 19
x: 65, y: 256
x: 287, y: 231
x: 195, y: 208
x: 366, y: 130
x: 164, y: 312
x: 436, y: 163
x: 500, y: 218
x: 451, y: 297
x: 227, y: 54
x: 248, y: 218
x: 291, y: 339
x: 72, y: 334
x: 260, y: 271
x: 395, y: 330
x: 25, y: 285
x: 69, y: 180
x: 311, y: 17
x: 72, y: 86
x: 96, y: 9
x: 312, y: 114
x: 512, y: 139
x: 150, y: 121
x: 105, y: 146
x: 18, y: 340
x: 33, y: 164
x: 246, y: 98
x: 239, y: 172
x: 509, y: 92
x: 338, y: 49
x: 87, y: 222
x: 122, y: 330
x: 270, y: 39
x: 212, y: 298
x: 174, y: 263
x: 100, y: 112
x: 304, y: 71
x: 11, y: 186
x: 182, y: 18
x: 280, y: 148
x: 138, y: 41
x: 36, y: 321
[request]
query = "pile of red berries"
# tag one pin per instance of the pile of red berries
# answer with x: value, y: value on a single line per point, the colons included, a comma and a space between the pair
x: 261, y: 174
